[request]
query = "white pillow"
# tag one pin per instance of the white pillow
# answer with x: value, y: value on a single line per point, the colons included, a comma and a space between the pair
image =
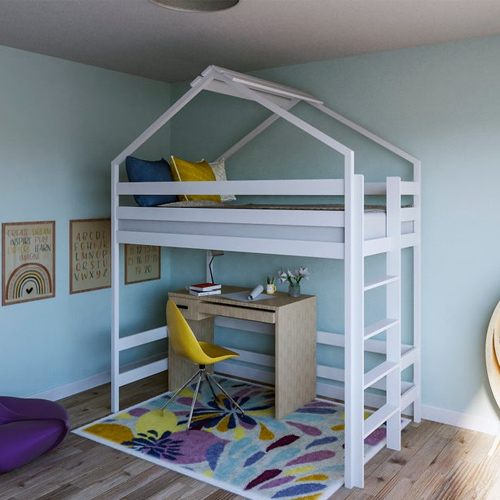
x: 219, y: 170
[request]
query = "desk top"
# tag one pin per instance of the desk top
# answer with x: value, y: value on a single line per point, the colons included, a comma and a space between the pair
x: 279, y: 299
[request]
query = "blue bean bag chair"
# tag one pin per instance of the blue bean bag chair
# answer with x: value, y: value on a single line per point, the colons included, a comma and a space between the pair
x: 29, y: 428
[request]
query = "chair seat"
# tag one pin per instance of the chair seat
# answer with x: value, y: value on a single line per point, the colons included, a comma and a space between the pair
x: 28, y: 429
x: 216, y: 352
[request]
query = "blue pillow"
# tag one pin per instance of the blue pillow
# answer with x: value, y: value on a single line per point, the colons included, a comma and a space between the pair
x: 150, y: 171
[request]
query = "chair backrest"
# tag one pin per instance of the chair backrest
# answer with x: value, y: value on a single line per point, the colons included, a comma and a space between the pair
x: 181, y: 337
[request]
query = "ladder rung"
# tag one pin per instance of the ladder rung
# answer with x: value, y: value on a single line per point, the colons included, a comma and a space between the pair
x: 376, y: 246
x: 408, y: 358
x: 377, y: 418
x: 380, y: 371
x: 379, y: 327
x: 409, y: 396
x: 380, y: 281
x: 381, y: 385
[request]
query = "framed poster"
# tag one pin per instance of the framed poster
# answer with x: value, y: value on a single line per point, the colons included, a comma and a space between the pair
x: 28, y: 261
x: 142, y: 263
x: 90, y: 254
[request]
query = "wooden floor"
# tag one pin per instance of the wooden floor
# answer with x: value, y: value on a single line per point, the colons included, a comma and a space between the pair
x: 436, y: 462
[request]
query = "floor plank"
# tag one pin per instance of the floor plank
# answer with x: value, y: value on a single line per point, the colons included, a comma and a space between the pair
x: 436, y: 462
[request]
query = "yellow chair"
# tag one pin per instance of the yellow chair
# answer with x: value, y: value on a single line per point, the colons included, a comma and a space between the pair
x: 185, y: 344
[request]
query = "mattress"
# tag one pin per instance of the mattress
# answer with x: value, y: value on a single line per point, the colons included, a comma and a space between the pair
x: 337, y: 207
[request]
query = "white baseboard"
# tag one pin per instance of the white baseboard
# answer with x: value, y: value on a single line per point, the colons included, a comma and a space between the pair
x: 85, y: 384
x: 463, y: 420
x: 76, y: 387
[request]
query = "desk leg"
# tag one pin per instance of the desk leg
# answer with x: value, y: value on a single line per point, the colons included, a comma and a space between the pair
x: 295, y: 357
x: 180, y: 369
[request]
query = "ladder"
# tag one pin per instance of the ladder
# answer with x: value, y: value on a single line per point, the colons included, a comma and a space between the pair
x: 389, y: 370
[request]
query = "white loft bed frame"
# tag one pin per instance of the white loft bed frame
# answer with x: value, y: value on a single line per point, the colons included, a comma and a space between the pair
x: 323, y: 234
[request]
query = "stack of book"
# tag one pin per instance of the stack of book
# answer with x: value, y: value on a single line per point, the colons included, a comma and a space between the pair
x: 201, y: 289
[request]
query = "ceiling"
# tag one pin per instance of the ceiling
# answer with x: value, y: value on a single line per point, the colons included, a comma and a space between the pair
x: 140, y: 38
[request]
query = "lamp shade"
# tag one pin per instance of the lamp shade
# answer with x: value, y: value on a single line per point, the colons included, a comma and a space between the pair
x: 196, y: 5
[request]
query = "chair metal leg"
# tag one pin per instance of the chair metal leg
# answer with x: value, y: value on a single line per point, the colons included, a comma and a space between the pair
x: 194, y: 398
x: 207, y: 378
x: 180, y: 390
x: 225, y: 392
x: 200, y: 374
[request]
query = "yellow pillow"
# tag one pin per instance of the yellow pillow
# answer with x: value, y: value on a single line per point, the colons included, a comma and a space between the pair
x: 186, y: 171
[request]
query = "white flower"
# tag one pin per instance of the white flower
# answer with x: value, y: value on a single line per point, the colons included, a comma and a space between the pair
x: 282, y: 276
x: 293, y: 277
x: 304, y: 272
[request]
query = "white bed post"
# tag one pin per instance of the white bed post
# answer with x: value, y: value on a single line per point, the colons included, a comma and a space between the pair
x: 354, y: 325
x: 417, y: 294
x: 115, y: 292
x: 115, y: 251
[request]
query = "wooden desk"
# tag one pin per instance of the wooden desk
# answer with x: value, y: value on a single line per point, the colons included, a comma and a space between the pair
x: 294, y: 322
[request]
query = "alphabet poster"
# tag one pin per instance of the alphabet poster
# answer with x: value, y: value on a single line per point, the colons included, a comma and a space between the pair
x: 28, y: 261
x: 142, y: 263
x: 90, y: 254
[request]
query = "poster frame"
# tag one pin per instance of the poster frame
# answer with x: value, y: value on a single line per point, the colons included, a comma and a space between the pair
x: 76, y: 225
x: 49, y: 272
x: 129, y: 280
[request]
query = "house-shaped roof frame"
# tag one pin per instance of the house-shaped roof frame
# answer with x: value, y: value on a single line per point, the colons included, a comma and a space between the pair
x: 278, y: 99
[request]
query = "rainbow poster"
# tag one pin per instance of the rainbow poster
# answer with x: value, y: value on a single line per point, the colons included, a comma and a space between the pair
x: 28, y: 261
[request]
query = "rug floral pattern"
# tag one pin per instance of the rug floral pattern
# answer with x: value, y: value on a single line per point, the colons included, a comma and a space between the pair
x: 300, y: 457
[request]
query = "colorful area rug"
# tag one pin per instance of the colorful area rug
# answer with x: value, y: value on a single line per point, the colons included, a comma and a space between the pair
x: 255, y: 456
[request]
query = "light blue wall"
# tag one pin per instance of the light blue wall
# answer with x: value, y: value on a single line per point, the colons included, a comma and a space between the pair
x: 440, y: 103
x: 61, y: 124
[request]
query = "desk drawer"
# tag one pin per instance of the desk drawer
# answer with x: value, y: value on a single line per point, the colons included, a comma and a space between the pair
x: 238, y: 312
x: 189, y: 308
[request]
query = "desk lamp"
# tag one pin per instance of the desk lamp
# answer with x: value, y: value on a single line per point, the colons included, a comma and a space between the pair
x: 211, y: 254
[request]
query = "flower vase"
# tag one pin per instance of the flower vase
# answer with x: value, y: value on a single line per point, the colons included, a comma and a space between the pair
x: 294, y: 290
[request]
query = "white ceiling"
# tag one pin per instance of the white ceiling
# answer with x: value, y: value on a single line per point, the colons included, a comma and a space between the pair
x: 138, y: 37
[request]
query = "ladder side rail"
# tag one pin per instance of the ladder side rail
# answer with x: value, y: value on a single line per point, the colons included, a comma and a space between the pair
x: 354, y: 325
x: 393, y: 307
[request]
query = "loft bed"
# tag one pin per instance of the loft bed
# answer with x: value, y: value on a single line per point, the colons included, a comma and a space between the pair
x: 348, y: 232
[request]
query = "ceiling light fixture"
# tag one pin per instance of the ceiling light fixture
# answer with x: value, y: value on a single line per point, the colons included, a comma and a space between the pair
x: 196, y: 5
